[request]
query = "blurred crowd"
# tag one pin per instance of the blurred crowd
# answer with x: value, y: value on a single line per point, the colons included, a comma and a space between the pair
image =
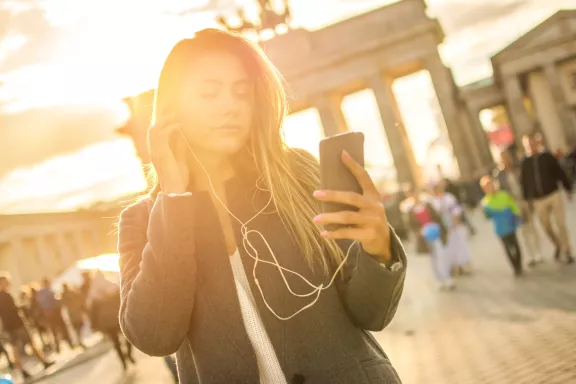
x: 42, y: 318
x: 528, y: 184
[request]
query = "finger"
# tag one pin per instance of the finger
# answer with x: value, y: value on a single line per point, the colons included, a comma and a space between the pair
x: 359, y: 234
x: 346, y: 218
x: 343, y: 197
x: 359, y: 172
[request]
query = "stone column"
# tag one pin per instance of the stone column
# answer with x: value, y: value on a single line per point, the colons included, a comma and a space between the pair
x: 564, y: 112
x: 407, y: 170
x: 64, y: 248
x: 43, y: 255
x: 465, y: 148
x: 17, y: 265
x: 481, y: 136
x: 521, y: 122
x: 330, y: 110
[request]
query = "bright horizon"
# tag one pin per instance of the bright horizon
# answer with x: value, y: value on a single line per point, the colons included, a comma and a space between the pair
x: 99, y: 58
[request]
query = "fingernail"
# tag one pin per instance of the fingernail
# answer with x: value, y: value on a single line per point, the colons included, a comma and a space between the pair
x: 317, y: 219
x: 345, y: 153
x: 319, y: 194
x: 324, y: 233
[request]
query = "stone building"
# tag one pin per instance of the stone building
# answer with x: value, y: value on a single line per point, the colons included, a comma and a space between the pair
x: 373, y: 49
x: 34, y: 246
x: 538, y: 69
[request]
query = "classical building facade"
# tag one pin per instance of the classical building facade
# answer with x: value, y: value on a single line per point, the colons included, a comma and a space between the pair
x: 538, y: 69
x: 373, y: 49
x: 366, y: 51
x: 34, y: 246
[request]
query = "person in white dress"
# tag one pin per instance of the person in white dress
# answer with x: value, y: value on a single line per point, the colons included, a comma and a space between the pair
x: 457, y: 245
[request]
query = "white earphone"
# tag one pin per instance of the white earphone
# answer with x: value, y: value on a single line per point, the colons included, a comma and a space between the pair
x: 253, y: 252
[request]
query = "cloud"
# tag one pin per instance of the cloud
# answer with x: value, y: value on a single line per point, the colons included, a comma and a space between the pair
x: 27, y: 19
x: 458, y: 16
x: 32, y: 136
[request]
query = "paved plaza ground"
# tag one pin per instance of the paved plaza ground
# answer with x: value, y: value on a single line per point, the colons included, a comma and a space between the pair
x: 494, y: 329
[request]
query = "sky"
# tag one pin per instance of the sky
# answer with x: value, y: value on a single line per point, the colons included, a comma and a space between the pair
x: 65, y: 65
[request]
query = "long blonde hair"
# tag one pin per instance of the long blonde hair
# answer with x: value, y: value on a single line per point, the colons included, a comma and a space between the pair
x: 291, y: 175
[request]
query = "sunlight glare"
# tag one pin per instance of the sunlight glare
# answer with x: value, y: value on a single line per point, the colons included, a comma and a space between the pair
x: 107, y: 262
x: 303, y: 130
x: 100, y: 172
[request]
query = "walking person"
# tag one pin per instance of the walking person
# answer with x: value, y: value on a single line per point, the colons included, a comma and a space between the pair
x: 427, y: 224
x: 14, y: 326
x: 451, y: 213
x: 541, y: 176
x: 52, y: 309
x: 38, y: 321
x: 460, y: 194
x: 502, y: 209
x: 509, y: 181
x: 103, y: 304
x: 228, y: 255
x: 73, y: 302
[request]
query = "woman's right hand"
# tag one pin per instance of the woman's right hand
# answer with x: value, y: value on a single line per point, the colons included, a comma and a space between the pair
x: 171, y: 167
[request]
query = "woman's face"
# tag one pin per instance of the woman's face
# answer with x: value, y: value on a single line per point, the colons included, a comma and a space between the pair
x: 216, y: 106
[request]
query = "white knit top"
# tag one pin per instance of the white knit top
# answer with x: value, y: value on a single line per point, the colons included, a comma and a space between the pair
x: 268, y: 365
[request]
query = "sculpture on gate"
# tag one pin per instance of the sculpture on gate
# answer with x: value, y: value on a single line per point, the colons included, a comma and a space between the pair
x: 269, y: 19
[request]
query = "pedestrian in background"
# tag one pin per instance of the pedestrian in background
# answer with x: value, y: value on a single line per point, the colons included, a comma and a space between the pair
x: 509, y: 180
x: 500, y: 207
x: 541, y: 176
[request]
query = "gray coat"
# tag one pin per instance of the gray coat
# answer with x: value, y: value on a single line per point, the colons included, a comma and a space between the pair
x: 178, y: 294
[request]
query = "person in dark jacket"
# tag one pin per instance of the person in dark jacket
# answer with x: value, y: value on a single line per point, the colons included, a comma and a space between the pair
x: 229, y: 255
x: 12, y: 324
x: 52, y: 308
x: 73, y: 301
x: 541, y: 176
x: 104, y: 305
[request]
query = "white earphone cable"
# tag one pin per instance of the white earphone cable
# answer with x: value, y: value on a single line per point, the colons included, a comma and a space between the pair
x: 247, y: 244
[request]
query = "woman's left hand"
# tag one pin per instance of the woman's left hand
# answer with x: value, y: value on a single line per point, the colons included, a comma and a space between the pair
x: 369, y: 224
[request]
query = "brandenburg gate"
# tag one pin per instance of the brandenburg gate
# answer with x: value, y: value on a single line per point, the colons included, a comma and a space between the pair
x: 370, y: 50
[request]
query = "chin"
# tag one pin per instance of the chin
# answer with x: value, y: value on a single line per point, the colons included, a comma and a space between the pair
x: 227, y: 147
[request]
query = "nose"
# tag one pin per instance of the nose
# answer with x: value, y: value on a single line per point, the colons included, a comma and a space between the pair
x: 230, y: 102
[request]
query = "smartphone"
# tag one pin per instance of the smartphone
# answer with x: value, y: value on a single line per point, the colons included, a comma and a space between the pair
x: 334, y: 174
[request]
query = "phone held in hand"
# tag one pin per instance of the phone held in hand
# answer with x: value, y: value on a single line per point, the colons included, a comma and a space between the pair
x: 334, y: 174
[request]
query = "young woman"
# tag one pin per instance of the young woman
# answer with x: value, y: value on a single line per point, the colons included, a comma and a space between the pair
x: 199, y: 255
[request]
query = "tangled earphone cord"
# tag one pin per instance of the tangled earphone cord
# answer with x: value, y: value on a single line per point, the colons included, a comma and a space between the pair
x: 317, y: 289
